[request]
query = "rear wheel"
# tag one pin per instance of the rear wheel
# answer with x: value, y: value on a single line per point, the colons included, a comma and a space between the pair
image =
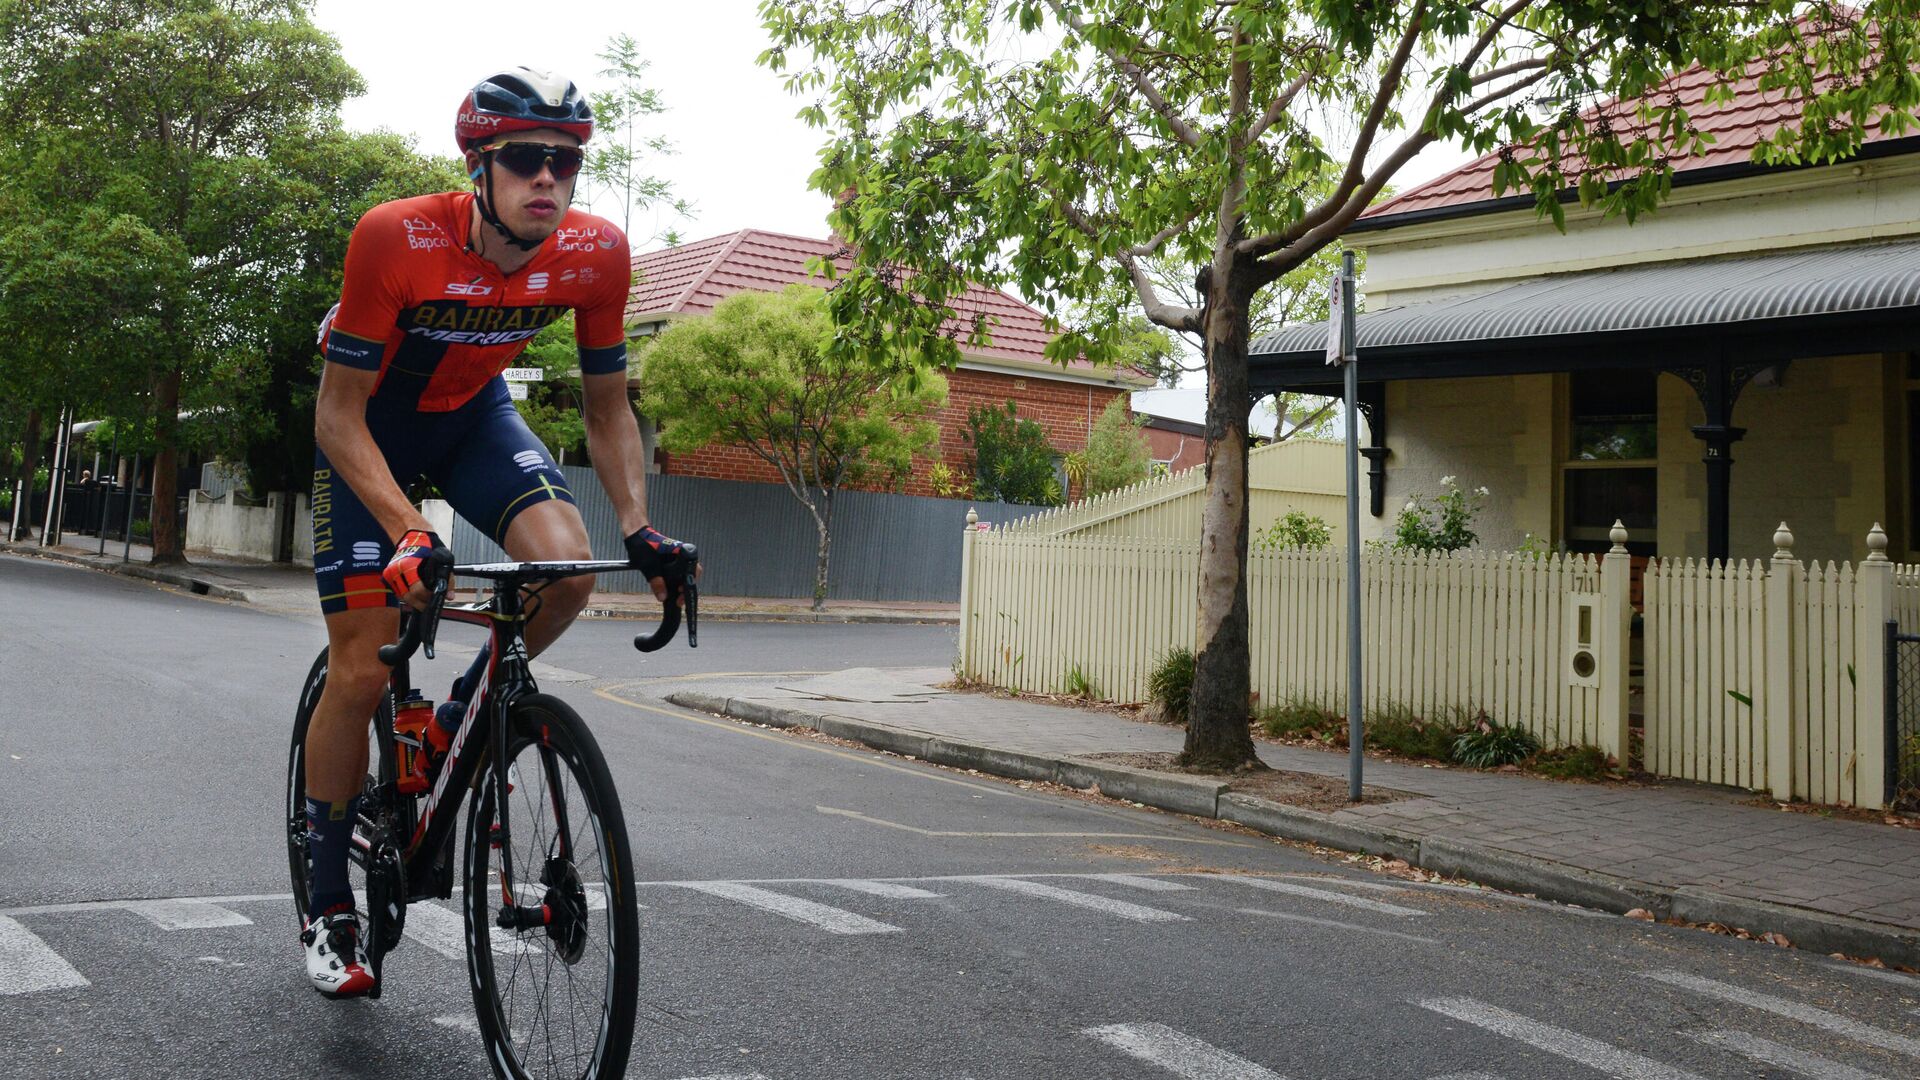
x: 556, y: 966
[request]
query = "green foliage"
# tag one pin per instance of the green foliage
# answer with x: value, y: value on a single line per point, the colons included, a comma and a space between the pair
x: 1012, y: 460
x: 1117, y: 453
x: 1573, y: 763
x: 1296, y: 530
x: 1079, y: 684
x: 1442, y: 523
x: 1488, y: 745
x: 552, y: 406
x: 948, y: 481
x: 756, y: 373
x: 1170, y: 683
x: 615, y: 157
x: 1299, y: 718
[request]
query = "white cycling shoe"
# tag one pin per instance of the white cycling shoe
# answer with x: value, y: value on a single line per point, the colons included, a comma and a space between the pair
x: 336, y: 960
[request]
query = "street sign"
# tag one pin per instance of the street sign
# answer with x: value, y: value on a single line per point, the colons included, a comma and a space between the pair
x: 517, y: 391
x: 523, y: 374
x: 1336, y: 321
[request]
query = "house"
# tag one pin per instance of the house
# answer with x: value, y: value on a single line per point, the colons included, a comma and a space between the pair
x: 1744, y: 355
x: 1065, y: 400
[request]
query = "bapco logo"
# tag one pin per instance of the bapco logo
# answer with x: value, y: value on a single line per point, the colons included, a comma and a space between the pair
x: 530, y: 460
x: 366, y: 551
x: 424, y: 235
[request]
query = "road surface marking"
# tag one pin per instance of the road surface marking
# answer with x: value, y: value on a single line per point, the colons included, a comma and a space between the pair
x: 28, y: 966
x: 1178, y: 1053
x: 1768, y: 1052
x: 1524, y: 901
x: 1792, y: 1010
x: 918, y: 831
x: 1345, y: 883
x: 1291, y: 889
x: 1105, y: 905
x: 882, y: 888
x: 1135, y: 881
x: 1467, y: 1076
x: 1911, y: 982
x: 1592, y: 1053
x: 115, y: 905
x: 445, y: 932
x: 729, y: 1076
x: 459, y: 1023
x: 831, y: 919
x: 1290, y: 917
x: 186, y: 914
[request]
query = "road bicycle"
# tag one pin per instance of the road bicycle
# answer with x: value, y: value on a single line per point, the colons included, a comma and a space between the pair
x: 547, y: 883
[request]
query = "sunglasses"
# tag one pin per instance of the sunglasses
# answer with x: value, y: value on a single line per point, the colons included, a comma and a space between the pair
x: 525, y: 159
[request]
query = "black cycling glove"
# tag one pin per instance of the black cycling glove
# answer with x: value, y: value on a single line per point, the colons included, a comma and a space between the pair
x: 658, y: 555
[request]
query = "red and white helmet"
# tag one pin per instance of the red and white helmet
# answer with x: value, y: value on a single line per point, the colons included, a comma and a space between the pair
x: 521, y: 99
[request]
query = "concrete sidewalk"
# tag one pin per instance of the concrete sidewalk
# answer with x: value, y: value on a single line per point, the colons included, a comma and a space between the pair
x: 289, y: 589
x: 1679, y: 850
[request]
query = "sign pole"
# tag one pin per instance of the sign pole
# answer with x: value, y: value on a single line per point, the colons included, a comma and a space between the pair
x: 1341, y: 350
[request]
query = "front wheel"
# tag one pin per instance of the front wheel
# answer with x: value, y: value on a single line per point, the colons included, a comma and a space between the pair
x: 555, y: 965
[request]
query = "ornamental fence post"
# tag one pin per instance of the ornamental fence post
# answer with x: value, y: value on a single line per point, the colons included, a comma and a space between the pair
x: 963, y: 662
x: 1614, y: 636
x: 1782, y: 646
x: 1873, y: 606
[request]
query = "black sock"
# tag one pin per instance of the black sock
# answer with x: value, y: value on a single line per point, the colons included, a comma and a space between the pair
x: 329, y: 838
x: 463, y: 686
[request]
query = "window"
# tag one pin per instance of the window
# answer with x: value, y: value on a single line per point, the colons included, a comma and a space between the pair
x: 1609, y: 472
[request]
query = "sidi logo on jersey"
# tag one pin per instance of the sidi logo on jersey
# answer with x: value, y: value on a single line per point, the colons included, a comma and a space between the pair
x: 467, y: 288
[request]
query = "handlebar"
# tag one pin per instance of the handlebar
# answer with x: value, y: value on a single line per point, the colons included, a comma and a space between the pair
x: 418, y: 627
x: 682, y: 590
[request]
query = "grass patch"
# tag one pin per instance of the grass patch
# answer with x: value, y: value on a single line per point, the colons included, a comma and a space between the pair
x: 1488, y: 745
x: 1573, y: 763
x: 1170, y: 683
x: 1299, y: 719
x: 1396, y: 730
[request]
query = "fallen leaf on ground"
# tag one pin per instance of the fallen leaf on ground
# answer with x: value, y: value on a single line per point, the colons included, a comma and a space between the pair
x: 1641, y: 914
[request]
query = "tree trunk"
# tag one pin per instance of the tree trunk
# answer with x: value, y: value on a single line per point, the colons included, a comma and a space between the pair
x: 823, y: 519
x: 168, y: 545
x: 1217, y: 709
x: 21, y: 483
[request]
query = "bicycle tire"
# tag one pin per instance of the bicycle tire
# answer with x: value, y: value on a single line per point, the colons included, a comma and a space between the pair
x: 296, y: 805
x: 564, y: 750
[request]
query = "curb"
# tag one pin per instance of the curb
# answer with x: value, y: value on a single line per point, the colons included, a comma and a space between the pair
x: 778, y: 616
x: 1811, y: 930
x: 176, y: 578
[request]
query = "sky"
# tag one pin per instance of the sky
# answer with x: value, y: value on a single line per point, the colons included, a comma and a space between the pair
x: 742, y: 157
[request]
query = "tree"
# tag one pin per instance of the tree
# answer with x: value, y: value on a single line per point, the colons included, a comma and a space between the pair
x: 1056, y: 145
x: 1011, y: 458
x: 754, y: 373
x: 552, y: 405
x: 613, y: 159
x: 1117, y: 453
x: 188, y: 149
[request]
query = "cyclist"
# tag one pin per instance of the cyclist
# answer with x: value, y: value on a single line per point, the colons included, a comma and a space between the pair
x: 441, y: 293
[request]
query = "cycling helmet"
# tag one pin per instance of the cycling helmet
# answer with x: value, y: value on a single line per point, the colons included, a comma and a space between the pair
x: 521, y: 99
x: 518, y: 99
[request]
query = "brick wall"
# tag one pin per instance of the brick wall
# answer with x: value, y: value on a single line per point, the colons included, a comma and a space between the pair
x: 1065, y: 410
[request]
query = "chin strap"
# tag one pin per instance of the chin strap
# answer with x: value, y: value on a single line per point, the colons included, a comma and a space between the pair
x: 485, y: 200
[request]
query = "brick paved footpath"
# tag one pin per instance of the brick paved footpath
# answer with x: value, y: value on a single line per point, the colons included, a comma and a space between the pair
x: 1672, y: 834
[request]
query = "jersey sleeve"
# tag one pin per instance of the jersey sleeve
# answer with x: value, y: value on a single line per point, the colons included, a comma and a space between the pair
x: 371, y: 296
x: 600, y: 325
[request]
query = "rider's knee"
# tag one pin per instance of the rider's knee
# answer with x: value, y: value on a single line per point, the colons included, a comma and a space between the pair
x: 361, y: 679
x: 568, y: 595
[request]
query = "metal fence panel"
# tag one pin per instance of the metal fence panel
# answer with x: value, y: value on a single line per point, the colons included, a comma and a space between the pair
x: 757, y: 540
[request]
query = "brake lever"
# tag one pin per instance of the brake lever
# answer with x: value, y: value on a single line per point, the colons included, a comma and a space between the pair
x: 432, y: 614
x: 690, y: 596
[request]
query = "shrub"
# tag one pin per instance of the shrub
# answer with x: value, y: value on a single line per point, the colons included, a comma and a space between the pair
x: 1171, y: 682
x: 1300, y: 719
x: 1116, y: 453
x: 1443, y: 523
x: 1396, y: 730
x: 1079, y: 684
x: 1298, y: 529
x: 1573, y: 763
x: 1488, y: 745
x: 1012, y: 460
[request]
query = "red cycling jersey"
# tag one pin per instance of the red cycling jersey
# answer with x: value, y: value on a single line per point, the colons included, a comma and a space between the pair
x: 439, y: 322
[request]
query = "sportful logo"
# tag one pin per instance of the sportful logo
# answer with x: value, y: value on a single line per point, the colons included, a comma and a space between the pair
x: 537, y: 282
x: 530, y: 460
x: 366, y: 551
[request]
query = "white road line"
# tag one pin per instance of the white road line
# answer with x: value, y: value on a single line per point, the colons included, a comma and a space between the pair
x: 1118, y: 908
x: 1592, y: 1053
x: 459, y: 1023
x: 1911, y: 982
x: 1348, y: 883
x: 445, y: 932
x: 831, y: 919
x: 729, y: 1076
x: 1792, y: 1010
x: 1509, y: 898
x: 1137, y: 881
x: 1334, y: 924
x: 28, y: 965
x: 1467, y: 1076
x: 882, y: 888
x: 115, y: 905
x: 1768, y: 1052
x: 186, y: 914
x: 1291, y: 889
x: 1178, y: 1053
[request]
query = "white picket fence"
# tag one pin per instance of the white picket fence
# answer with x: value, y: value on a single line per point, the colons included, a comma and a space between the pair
x: 1765, y: 675
x: 1440, y: 634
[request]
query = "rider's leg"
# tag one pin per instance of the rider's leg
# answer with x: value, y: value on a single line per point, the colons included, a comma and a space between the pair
x: 552, y: 530
x: 336, y: 750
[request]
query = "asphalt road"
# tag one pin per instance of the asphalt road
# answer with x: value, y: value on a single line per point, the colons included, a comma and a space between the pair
x: 957, y: 926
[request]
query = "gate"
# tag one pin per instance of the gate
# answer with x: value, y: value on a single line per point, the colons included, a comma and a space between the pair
x: 1903, y: 718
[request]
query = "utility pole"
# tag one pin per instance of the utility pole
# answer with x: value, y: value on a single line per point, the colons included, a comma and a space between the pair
x: 1341, y: 352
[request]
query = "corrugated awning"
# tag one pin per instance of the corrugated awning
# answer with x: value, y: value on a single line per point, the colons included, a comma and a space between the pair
x: 1781, y: 303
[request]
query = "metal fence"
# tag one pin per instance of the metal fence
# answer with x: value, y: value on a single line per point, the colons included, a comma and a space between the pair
x: 757, y: 540
x: 1903, y: 718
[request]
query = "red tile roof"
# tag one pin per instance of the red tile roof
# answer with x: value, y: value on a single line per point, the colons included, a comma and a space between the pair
x: 1736, y: 126
x: 692, y: 278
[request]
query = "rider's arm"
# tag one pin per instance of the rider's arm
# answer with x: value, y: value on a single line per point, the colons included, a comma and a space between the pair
x: 340, y: 429
x: 613, y: 438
